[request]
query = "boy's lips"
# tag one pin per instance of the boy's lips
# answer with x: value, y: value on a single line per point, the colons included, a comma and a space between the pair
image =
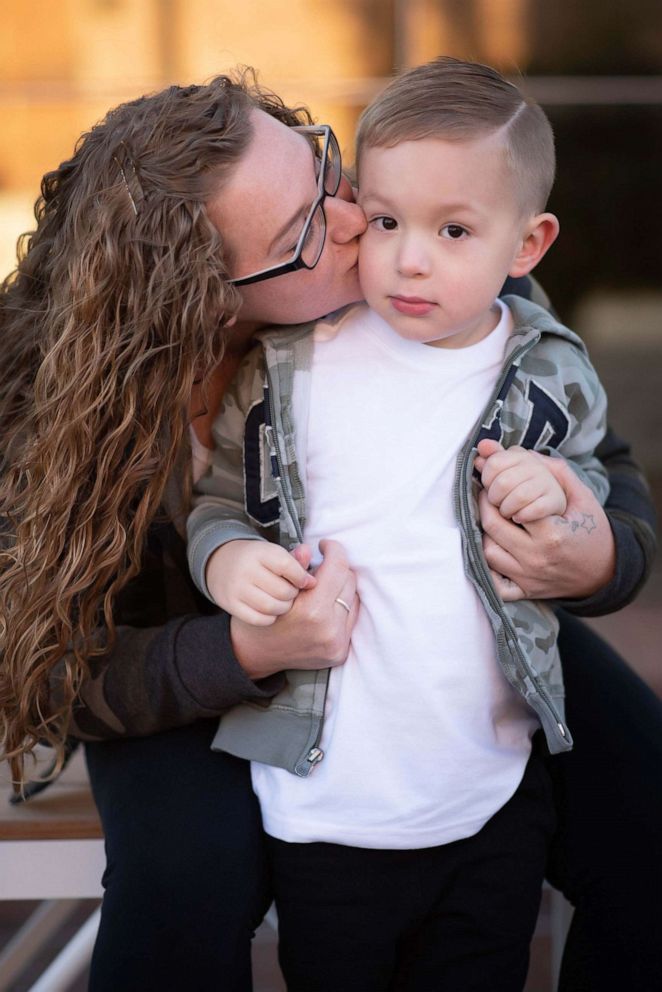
x: 411, y: 306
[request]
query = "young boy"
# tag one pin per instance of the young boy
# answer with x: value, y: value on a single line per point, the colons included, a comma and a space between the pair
x: 413, y: 857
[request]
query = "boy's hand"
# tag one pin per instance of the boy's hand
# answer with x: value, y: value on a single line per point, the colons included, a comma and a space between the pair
x: 519, y: 483
x: 256, y: 581
x: 314, y: 634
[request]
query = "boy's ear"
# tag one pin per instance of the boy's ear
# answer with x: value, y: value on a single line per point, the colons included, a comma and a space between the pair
x: 540, y: 234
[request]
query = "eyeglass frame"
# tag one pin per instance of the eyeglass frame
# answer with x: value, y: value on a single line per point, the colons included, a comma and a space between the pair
x: 297, y: 262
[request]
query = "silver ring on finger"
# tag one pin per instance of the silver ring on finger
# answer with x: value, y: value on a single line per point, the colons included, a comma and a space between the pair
x: 344, y: 605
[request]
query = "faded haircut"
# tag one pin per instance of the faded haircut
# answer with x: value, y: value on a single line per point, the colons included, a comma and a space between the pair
x: 455, y: 100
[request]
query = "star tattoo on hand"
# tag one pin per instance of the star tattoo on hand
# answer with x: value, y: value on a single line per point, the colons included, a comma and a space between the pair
x: 587, y: 523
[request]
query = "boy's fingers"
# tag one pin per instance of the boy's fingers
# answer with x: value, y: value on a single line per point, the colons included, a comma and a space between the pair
x: 265, y: 604
x: 495, y: 466
x: 278, y: 587
x: 488, y: 447
x: 503, y: 485
x: 521, y: 495
x: 289, y: 568
x: 303, y: 554
x: 538, y: 509
x: 575, y: 490
x: 514, y: 459
x: 256, y: 619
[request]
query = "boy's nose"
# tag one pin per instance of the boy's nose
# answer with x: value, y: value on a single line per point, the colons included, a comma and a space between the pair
x: 412, y: 261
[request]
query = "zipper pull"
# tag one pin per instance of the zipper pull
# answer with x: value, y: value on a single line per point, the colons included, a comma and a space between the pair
x: 269, y: 434
x: 273, y: 454
x: 315, y: 755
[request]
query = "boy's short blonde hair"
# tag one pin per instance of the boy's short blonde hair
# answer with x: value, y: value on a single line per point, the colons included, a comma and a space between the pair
x: 455, y: 100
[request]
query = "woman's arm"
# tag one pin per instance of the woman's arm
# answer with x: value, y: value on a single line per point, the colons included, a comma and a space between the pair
x: 176, y: 660
x: 593, y: 561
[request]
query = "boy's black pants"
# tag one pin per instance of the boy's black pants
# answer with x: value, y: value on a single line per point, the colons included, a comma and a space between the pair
x: 457, y: 918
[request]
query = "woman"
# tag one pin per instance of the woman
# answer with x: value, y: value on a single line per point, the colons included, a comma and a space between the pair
x: 112, y: 332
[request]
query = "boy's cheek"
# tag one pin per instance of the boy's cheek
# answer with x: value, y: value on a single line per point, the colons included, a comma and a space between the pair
x: 371, y: 259
x: 366, y: 271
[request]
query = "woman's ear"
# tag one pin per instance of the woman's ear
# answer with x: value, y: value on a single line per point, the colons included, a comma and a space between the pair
x: 540, y: 234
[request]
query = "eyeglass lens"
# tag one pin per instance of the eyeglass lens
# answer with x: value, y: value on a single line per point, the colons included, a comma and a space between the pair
x: 313, y: 233
x: 314, y: 240
x: 332, y: 167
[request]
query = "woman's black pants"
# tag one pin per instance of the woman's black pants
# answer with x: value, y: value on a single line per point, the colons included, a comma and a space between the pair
x: 186, y: 882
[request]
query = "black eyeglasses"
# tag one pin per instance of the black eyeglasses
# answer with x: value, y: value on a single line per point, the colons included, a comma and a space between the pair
x: 310, y: 243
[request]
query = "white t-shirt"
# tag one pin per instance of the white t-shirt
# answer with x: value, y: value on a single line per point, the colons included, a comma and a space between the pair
x: 424, y: 739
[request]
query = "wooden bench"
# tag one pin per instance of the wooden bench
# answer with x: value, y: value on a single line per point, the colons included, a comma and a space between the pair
x: 51, y: 849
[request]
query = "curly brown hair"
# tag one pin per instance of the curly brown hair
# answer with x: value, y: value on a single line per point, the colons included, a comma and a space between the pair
x: 116, y: 308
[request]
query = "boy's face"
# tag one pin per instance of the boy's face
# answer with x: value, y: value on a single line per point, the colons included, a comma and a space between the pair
x: 444, y: 231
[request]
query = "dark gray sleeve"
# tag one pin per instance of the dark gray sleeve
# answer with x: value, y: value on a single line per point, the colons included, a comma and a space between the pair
x: 629, y: 506
x: 161, y: 677
x: 631, y: 514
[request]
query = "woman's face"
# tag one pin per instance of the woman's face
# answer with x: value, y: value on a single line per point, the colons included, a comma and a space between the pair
x: 260, y: 212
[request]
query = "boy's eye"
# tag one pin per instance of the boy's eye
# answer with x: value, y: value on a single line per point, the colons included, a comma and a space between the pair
x: 454, y: 232
x: 384, y: 223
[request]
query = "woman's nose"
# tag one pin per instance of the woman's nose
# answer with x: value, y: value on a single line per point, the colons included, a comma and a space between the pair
x: 344, y: 219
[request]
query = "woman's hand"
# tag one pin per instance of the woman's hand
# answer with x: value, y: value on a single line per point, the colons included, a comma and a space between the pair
x: 568, y: 556
x: 316, y: 631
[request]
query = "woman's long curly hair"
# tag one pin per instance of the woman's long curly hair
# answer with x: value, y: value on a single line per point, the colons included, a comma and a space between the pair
x: 116, y: 308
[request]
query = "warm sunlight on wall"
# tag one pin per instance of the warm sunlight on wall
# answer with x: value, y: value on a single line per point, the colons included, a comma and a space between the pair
x: 63, y: 65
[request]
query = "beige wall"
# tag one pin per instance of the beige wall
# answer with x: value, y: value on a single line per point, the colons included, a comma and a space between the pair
x: 64, y: 62
x: 58, y: 74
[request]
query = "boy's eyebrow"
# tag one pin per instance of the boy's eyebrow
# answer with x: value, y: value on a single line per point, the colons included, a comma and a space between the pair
x: 370, y: 197
x: 440, y: 205
x: 371, y: 194
x: 459, y: 206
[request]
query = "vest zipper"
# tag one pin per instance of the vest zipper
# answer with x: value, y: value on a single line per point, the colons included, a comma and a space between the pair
x: 314, y: 754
